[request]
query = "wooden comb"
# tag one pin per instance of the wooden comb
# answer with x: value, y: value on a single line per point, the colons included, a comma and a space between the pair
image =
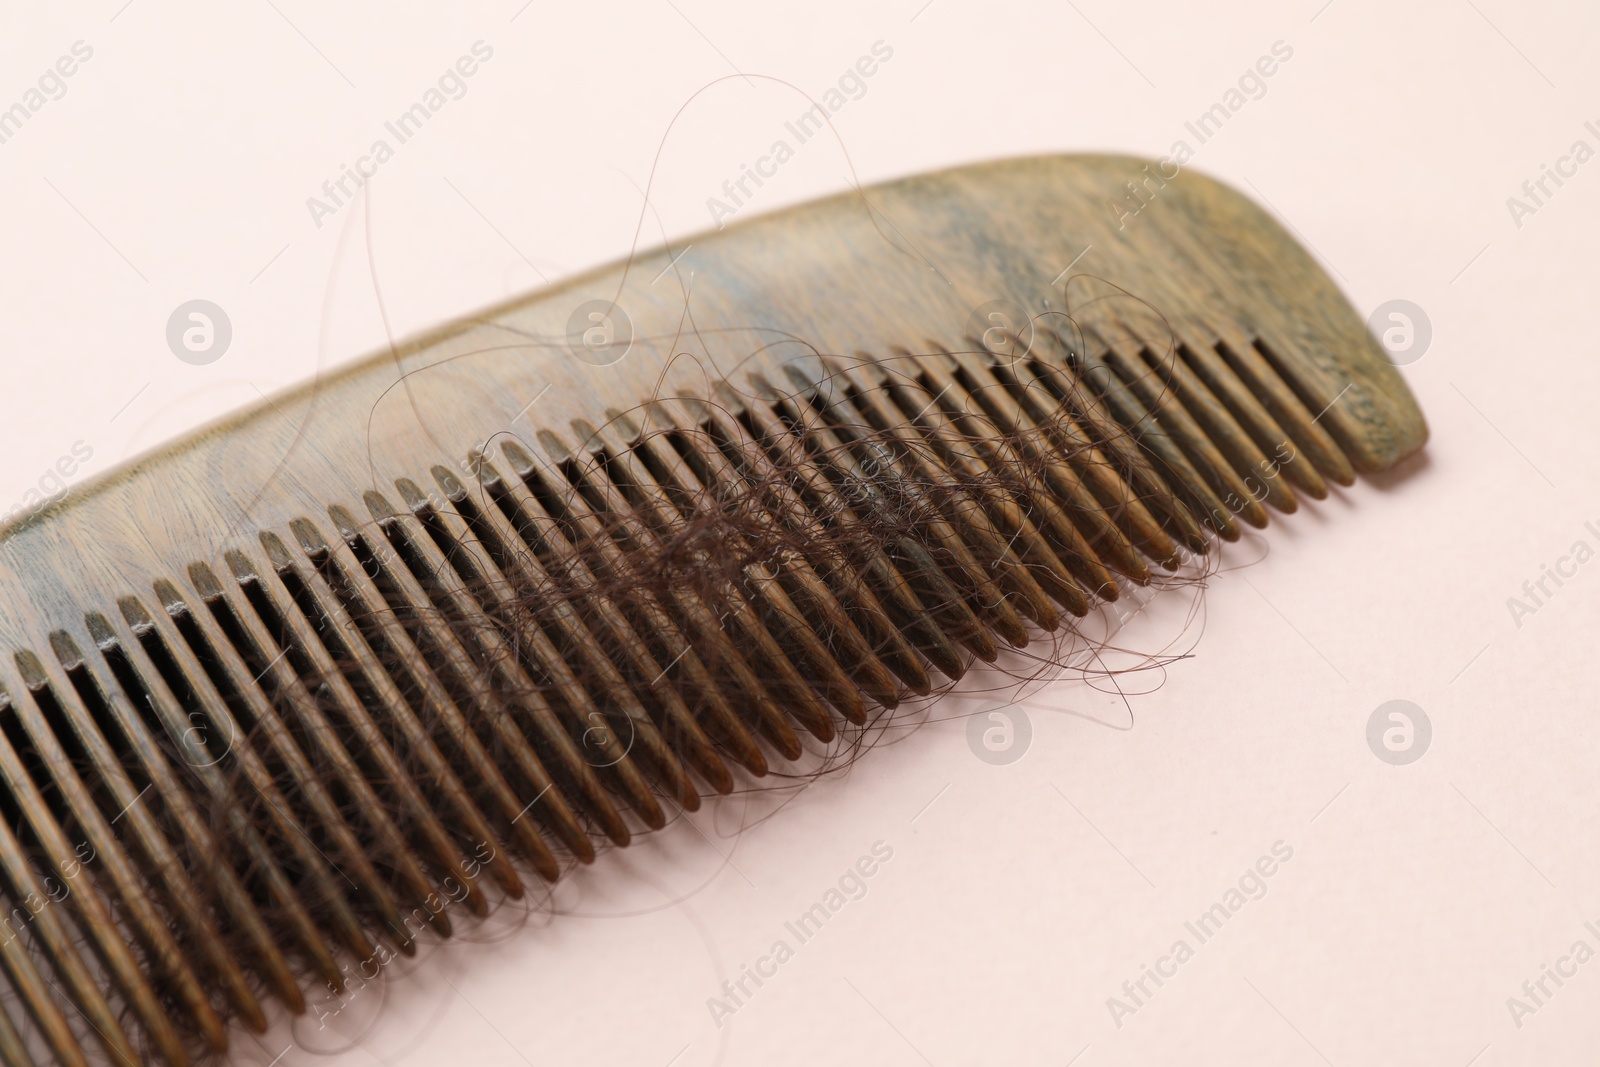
x: 358, y: 660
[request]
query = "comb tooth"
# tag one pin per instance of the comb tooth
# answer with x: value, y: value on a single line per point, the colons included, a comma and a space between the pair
x: 748, y: 468
x: 1276, y: 394
x: 279, y: 611
x: 480, y: 577
x: 672, y: 717
x: 1279, y: 453
x: 947, y: 602
x: 162, y: 865
x: 1217, y: 423
x: 1292, y: 363
x: 962, y: 569
x: 1124, y: 351
x: 936, y: 461
x: 628, y: 528
x: 1061, y: 381
x: 89, y: 905
x: 49, y: 946
x: 1088, y: 466
x: 12, y: 1050
x: 249, y: 642
x: 46, y: 923
x: 1158, y: 437
x: 32, y: 989
x: 181, y: 812
x: 971, y: 445
x: 180, y: 725
x: 653, y: 515
x: 993, y: 525
x: 410, y: 604
x: 347, y: 578
x: 811, y: 649
x: 1114, y: 526
x: 264, y: 725
x: 590, y: 541
x: 1258, y: 389
x: 816, y: 500
x: 830, y: 619
x: 136, y: 907
x: 344, y: 639
x: 775, y: 609
x: 559, y: 623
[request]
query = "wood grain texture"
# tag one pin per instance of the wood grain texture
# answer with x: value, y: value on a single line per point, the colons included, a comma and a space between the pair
x: 903, y: 265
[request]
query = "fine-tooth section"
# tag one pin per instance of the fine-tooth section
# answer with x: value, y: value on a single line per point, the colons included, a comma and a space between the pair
x: 811, y: 503
x: 260, y: 726
x: 269, y: 720
x: 1068, y: 468
x: 63, y: 799
x: 270, y: 592
x: 732, y: 464
x: 1058, y: 386
x: 863, y: 467
x: 475, y: 687
x: 1132, y: 416
x: 196, y: 719
x: 108, y: 747
x: 655, y: 517
x: 82, y: 743
x: 279, y: 676
x: 48, y: 926
x: 186, y: 829
x: 535, y: 635
x: 831, y: 623
x: 1121, y: 356
x: 412, y: 673
x: 528, y: 573
x: 1263, y: 382
x: 934, y: 460
x: 615, y: 532
x: 1082, y: 474
x: 574, y: 536
x: 1220, y: 428
x: 774, y: 609
x: 1277, y: 450
x: 58, y: 793
x: 343, y: 640
x: 975, y: 450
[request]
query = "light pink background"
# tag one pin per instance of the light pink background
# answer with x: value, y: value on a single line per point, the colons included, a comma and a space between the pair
x: 1019, y: 898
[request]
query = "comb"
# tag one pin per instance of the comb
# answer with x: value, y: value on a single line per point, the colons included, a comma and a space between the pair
x: 341, y: 671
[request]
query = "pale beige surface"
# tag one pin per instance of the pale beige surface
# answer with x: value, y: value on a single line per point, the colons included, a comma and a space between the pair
x: 1418, y: 898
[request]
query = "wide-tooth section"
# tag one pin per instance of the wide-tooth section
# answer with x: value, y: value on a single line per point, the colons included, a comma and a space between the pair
x: 341, y: 735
